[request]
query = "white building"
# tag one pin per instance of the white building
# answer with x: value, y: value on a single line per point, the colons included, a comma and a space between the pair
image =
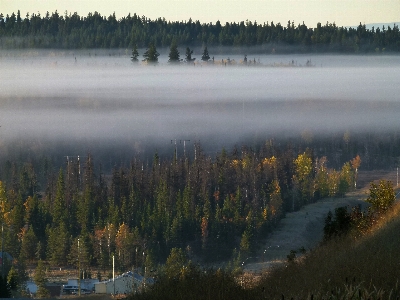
x: 126, y: 283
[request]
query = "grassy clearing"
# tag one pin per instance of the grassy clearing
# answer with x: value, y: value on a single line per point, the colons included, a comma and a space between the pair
x: 299, y: 229
x: 369, y: 265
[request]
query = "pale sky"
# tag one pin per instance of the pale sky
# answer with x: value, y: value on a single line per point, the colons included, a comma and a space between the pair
x: 342, y: 12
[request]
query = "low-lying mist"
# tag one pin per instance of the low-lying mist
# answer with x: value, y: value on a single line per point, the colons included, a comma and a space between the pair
x: 95, y: 102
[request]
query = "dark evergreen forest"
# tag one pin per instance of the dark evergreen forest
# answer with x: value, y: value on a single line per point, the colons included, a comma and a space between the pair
x: 214, y: 207
x: 72, y: 31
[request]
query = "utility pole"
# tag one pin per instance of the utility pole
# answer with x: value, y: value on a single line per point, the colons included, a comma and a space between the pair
x: 114, y: 273
x: 79, y: 269
x: 144, y: 273
x: 2, y: 250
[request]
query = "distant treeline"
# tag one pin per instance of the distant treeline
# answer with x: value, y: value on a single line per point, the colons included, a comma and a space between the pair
x: 71, y: 31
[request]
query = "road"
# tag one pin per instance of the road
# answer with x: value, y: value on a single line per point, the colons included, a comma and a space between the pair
x: 304, y: 228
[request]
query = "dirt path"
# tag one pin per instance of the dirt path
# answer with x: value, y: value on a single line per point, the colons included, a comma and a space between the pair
x: 304, y: 228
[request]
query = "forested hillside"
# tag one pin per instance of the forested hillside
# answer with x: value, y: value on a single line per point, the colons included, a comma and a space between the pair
x: 207, y: 206
x: 72, y: 31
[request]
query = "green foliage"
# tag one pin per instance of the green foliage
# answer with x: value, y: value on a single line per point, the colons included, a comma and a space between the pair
x: 72, y: 31
x: 322, y: 178
x: 41, y: 280
x: 245, y: 243
x: 346, y: 179
x: 59, y: 212
x: 275, y: 202
x: 210, y: 205
x: 29, y: 244
x: 196, y: 284
x: 235, y: 264
x: 151, y: 55
x: 205, y: 56
x: 381, y: 197
x: 79, y: 255
x: 174, y: 53
x: 188, y: 56
x: 12, y: 279
x: 58, y: 245
x: 135, y: 54
x: 22, y: 275
x: 303, y: 177
x: 175, y: 264
x: 337, y: 225
x: 37, y: 216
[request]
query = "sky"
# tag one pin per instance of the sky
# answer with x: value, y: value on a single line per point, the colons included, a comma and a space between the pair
x: 342, y: 12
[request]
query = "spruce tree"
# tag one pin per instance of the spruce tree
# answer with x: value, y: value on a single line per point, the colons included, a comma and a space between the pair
x: 12, y: 279
x: 29, y: 244
x: 189, y: 53
x: 151, y: 55
x: 59, y: 212
x: 205, y: 56
x: 40, y: 280
x: 135, y: 54
x: 173, y: 53
x: 175, y: 262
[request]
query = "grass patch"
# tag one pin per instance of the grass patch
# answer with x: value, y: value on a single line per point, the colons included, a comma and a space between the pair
x: 369, y: 264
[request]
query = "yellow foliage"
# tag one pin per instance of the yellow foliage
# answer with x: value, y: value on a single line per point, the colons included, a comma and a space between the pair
x: 245, y: 163
x: 303, y: 166
x: 235, y: 163
x: 22, y: 233
x: 356, y: 162
x: 269, y: 161
x: 265, y: 214
x: 123, y: 231
x: 4, y: 205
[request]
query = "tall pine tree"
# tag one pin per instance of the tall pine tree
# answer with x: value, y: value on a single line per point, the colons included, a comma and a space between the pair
x: 174, y: 53
x: 135, y: 54
x: 205, y: 56
x: 151, y: 55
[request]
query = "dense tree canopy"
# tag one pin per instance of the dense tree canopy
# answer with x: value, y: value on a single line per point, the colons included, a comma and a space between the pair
x: 202, y: 206
x: 72, y: 31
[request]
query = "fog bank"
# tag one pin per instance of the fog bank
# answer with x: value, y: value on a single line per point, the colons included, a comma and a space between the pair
x: 107, y: 99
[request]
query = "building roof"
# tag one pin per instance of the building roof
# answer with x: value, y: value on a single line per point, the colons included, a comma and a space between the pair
x: 6, y: 255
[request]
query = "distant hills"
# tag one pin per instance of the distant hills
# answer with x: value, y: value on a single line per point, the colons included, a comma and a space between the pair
x: 376, y: 25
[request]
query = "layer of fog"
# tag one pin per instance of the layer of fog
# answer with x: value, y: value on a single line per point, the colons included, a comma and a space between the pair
x: 101, y: 99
